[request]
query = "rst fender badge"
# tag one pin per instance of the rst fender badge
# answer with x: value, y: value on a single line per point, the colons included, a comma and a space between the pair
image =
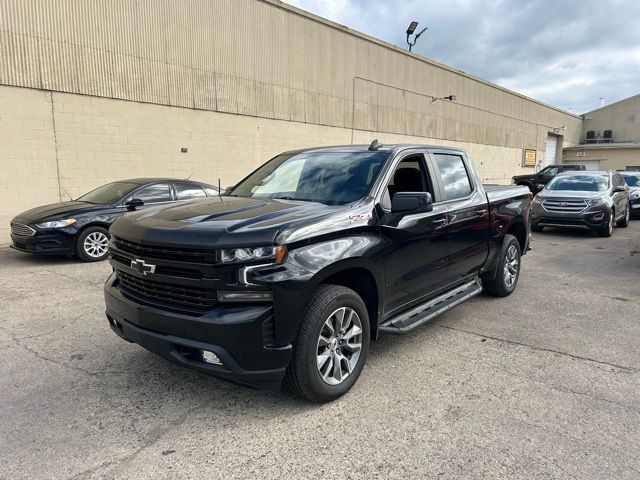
x: 360, y: 218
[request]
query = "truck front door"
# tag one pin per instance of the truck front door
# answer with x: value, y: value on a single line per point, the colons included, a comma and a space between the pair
x: 415, y: 261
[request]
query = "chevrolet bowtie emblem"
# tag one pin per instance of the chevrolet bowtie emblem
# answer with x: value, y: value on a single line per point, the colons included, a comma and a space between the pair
x: 142, y: 267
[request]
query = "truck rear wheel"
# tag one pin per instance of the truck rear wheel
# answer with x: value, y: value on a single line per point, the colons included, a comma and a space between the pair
x: 331, y: 347
x: 507, y: 272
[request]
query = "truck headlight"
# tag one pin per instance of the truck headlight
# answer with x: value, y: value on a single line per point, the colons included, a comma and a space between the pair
x: 537, y: 200
x: 634, y: 194
x: 245, y: 255
x: 597, y: 202
x: 57, y: 223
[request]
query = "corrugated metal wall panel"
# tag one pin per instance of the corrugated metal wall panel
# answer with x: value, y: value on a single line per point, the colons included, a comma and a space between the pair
x: 255, y: 58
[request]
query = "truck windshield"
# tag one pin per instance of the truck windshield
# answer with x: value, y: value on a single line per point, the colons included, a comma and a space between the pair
x: 580, y: 183
x: 632, y: 179
x: 109, y: 193
x: 332, y: 178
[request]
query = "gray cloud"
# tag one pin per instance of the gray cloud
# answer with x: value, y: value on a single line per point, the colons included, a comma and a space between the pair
x: 565, y: 53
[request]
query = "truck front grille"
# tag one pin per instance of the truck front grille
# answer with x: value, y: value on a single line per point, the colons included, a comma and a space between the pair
x: 168, y: 253
x: 176, y: 297
x: 561, y: 206
x: 22, y: 230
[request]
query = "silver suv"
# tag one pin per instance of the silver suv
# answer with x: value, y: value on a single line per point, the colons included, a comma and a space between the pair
x: 582, y: 199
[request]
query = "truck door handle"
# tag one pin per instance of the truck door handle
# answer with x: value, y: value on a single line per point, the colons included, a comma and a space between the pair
x: 439, y: 222
x: 481, y: 211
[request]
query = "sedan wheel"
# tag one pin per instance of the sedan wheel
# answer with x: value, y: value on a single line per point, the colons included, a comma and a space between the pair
x: 92, y: 244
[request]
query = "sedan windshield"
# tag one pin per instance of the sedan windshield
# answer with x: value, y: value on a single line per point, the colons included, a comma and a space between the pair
x: 580, y: 183
x: 109, y: 193
x: 332, y: 178
x: 632, y: 179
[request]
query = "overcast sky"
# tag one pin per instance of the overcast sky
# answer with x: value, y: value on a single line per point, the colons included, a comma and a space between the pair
x: 567, y: 53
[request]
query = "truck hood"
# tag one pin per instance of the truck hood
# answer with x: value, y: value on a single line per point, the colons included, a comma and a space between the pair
x: 523, y: 178
x: 59, y: 210
x: 219, y: 222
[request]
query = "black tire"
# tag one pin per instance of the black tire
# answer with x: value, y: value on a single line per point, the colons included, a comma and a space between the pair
x: 303, y: 377
x: 498, y: 286
x: 624, y: 223
x: 536, y: 228
x: 87, y: 254
x: 608, y: 230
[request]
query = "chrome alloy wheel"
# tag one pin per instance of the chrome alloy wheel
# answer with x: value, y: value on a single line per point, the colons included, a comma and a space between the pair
x: 339, y: 345
x: 95, y: 245
x: 511, y: 265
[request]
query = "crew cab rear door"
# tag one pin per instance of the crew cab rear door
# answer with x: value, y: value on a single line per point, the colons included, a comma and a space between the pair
x: 467, y: 213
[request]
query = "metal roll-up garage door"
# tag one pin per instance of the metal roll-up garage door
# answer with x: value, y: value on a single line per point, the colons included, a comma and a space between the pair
x: 550, y: 149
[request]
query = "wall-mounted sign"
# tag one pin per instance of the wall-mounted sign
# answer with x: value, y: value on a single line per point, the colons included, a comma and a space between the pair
x: 529, y: 157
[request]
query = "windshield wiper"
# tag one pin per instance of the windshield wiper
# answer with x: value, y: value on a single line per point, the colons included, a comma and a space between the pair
x: 294, y: 199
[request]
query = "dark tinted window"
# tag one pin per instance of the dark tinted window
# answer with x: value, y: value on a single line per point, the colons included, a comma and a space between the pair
x: 158, y: 192
x: 188, y: 191
x: 109, y: 193
x: 333, y: 178
x: 409, y: 176
x: 454, y: 176
x: 632, y: 179
x: 549, y: 172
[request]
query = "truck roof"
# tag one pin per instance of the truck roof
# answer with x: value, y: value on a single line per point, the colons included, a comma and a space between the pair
x: 395, y: 147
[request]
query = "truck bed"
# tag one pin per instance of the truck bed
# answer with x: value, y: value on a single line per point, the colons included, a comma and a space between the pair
x: 496, y: 193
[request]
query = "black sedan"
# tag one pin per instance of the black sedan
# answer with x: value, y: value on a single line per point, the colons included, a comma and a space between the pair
x: 81, y: 226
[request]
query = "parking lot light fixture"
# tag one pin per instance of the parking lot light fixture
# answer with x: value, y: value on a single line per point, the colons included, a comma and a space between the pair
x: 410, y: 31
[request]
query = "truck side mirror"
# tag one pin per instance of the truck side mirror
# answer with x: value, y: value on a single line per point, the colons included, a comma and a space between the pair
x: 411, y: 202
x: 133, y: 204
x: 619, y: 188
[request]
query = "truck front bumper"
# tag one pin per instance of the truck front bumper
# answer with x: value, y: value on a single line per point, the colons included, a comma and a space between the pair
x: 235, y: 335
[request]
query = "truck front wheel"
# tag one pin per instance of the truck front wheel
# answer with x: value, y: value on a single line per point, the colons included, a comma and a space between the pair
x: 331, y: 347
x: 507, y: 272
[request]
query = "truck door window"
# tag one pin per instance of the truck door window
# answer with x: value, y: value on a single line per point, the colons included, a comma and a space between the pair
x: 409, y: 175
x: 455, y: 178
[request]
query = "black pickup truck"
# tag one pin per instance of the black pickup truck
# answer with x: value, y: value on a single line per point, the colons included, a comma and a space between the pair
x: 290, y: 275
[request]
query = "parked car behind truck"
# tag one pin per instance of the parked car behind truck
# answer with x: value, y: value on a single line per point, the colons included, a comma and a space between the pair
x: 288, y: 277
x: 81, y: 226
x: 536, y: 181
x: 592, y: 200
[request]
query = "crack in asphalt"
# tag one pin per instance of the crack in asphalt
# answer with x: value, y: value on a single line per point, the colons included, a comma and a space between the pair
x: 543, y: 349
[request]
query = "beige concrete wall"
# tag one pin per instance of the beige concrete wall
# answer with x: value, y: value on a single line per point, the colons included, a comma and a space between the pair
x: 28, y: 171
x: 610, y: 158
x: 100, y: 140
x: 258, y: 58
x: 622, y: 117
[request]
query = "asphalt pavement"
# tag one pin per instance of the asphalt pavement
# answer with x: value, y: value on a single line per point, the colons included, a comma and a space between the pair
x: 542, y: 384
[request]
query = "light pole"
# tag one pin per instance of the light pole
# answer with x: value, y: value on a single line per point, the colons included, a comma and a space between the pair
x: 410, y: 30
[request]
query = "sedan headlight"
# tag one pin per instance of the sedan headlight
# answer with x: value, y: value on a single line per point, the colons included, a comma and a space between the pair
x: 635, y: 194
x: 246, y: 255
x: 597, y: 201
x: 57, y: 223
